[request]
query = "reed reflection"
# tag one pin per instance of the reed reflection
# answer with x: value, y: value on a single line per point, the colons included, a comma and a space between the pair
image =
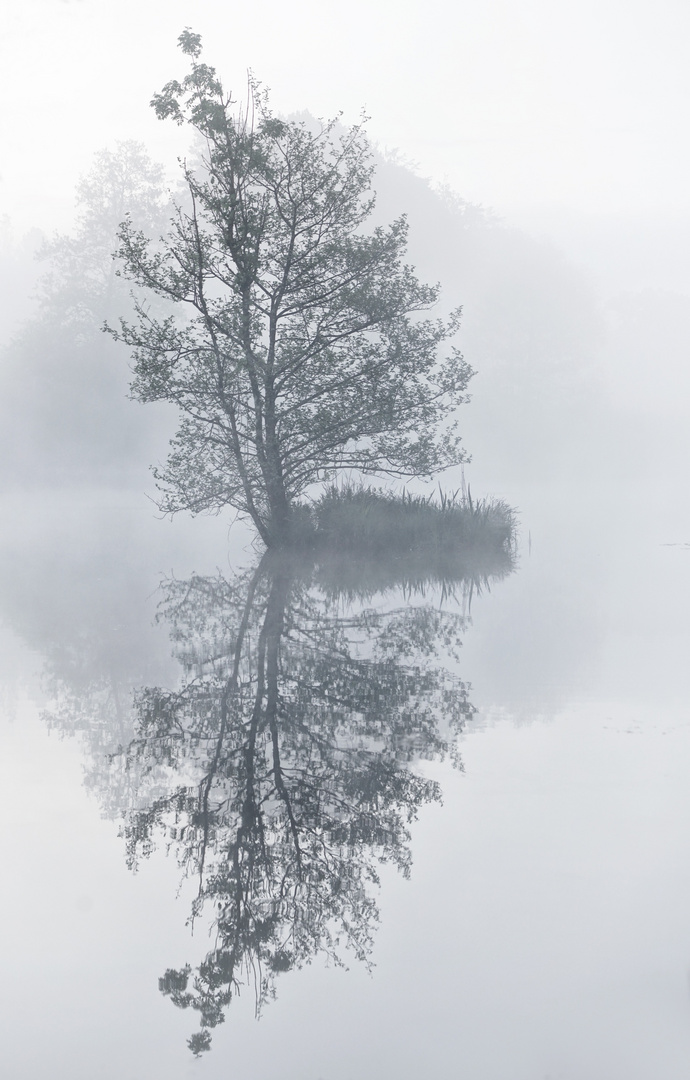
x: 283, y: 770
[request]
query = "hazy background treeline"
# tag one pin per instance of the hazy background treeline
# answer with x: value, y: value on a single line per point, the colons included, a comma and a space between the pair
x: 66, y: 417
x: 580, y: 359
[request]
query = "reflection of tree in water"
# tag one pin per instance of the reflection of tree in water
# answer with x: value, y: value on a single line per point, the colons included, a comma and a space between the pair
x: 282, y: 772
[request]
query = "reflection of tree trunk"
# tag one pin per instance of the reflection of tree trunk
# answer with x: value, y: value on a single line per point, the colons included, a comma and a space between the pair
x: 229, y: 692
x: 264, y: 714
x: 274, y: 625
x: 244, y: 850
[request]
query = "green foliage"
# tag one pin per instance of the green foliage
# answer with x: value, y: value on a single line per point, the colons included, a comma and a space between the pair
x: 294, y: 345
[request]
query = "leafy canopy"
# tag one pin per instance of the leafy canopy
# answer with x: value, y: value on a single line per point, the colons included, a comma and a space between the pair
x: 294, y: 345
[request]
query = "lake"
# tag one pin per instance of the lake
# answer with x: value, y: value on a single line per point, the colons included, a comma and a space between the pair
x: 543, y: 931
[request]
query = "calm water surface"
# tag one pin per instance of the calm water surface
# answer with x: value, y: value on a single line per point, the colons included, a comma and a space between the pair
x: 544, y: 929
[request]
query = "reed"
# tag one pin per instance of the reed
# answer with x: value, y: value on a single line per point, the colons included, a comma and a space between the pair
x: 364, y: 540
x: 366, y: 519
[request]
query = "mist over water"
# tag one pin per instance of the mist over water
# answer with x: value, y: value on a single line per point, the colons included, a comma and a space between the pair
x: 471, y: 792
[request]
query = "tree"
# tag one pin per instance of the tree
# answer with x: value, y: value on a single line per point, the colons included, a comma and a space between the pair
x: 81, y: 284
x: 294, y: 345
x: 65, y: 417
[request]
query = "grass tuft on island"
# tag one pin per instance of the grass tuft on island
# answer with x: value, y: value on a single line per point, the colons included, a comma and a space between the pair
x: 367, y: 539
x: 365, y: 518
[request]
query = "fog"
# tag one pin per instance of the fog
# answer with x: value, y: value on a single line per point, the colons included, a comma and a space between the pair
x: 513, y: 105
x: 542, y: 159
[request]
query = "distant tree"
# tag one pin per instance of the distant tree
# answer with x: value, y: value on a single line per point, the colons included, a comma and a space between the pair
x: 63, y: 394
x: 81, y: 283
x: 293, y: 346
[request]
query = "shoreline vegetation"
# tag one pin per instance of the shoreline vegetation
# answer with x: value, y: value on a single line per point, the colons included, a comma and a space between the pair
x: 364, y: 539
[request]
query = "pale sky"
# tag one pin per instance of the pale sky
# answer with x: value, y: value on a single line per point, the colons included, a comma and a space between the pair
x: 515, y: 104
